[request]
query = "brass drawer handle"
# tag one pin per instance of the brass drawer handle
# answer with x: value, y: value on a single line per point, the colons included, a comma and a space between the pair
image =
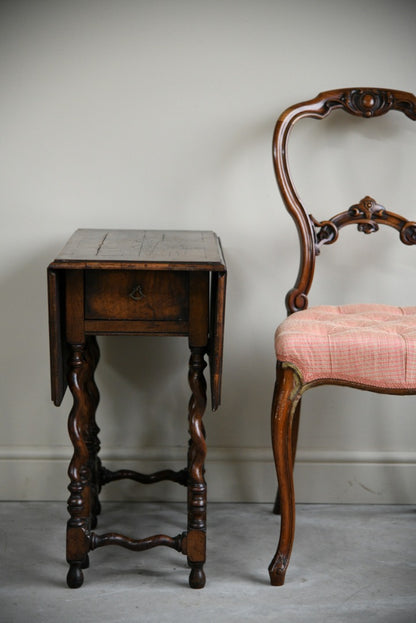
x: 137, y: 293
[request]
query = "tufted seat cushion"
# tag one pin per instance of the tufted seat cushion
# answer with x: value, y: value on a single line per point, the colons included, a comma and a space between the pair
x: 373, y: 345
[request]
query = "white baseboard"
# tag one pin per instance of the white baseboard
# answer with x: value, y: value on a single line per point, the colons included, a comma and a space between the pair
x: 232, y: 474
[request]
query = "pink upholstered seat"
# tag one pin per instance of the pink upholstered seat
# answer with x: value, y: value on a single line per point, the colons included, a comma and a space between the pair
x: 370, y: 344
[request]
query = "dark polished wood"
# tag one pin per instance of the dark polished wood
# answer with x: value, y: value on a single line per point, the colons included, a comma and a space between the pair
x: 130, y: 282
x: 367, y: 215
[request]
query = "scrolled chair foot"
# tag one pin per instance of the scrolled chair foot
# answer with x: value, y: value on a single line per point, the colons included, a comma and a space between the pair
x: 75, y: 577
x: 277, y: 570
x: 197, y: 577
x: 277, y: 579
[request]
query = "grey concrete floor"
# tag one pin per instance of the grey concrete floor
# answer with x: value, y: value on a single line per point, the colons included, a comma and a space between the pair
x: 350, y: 563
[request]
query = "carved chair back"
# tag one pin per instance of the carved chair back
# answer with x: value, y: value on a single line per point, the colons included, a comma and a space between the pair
x: 368, y: 215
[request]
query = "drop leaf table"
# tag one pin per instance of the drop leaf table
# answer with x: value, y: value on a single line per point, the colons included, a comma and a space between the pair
x: 134, y: 282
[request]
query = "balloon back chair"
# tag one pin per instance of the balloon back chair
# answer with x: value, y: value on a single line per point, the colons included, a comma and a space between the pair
x: 366, y: 346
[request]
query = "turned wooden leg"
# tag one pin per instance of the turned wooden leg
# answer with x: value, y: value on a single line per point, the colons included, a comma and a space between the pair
x: 79, y: 472
x: 197, y: 489
x: 286, y: 396
x: 295, y: 433
x: 93, y: 442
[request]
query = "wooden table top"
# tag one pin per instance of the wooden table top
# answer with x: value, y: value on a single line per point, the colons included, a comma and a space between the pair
x: 154, y: 249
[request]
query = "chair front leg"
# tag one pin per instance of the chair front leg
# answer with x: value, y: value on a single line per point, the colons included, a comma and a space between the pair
x: 285, y: 400
x: 295, y: 431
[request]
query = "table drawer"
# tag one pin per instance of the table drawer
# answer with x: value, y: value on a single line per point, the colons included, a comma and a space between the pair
x: 136, y: 295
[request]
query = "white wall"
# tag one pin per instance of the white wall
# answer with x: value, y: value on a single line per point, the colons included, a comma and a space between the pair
x: 134, y: 114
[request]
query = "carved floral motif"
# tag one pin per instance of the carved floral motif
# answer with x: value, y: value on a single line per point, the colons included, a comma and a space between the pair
x: 367, y: 211
x: 375, y: 102
x: 370, y: 103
